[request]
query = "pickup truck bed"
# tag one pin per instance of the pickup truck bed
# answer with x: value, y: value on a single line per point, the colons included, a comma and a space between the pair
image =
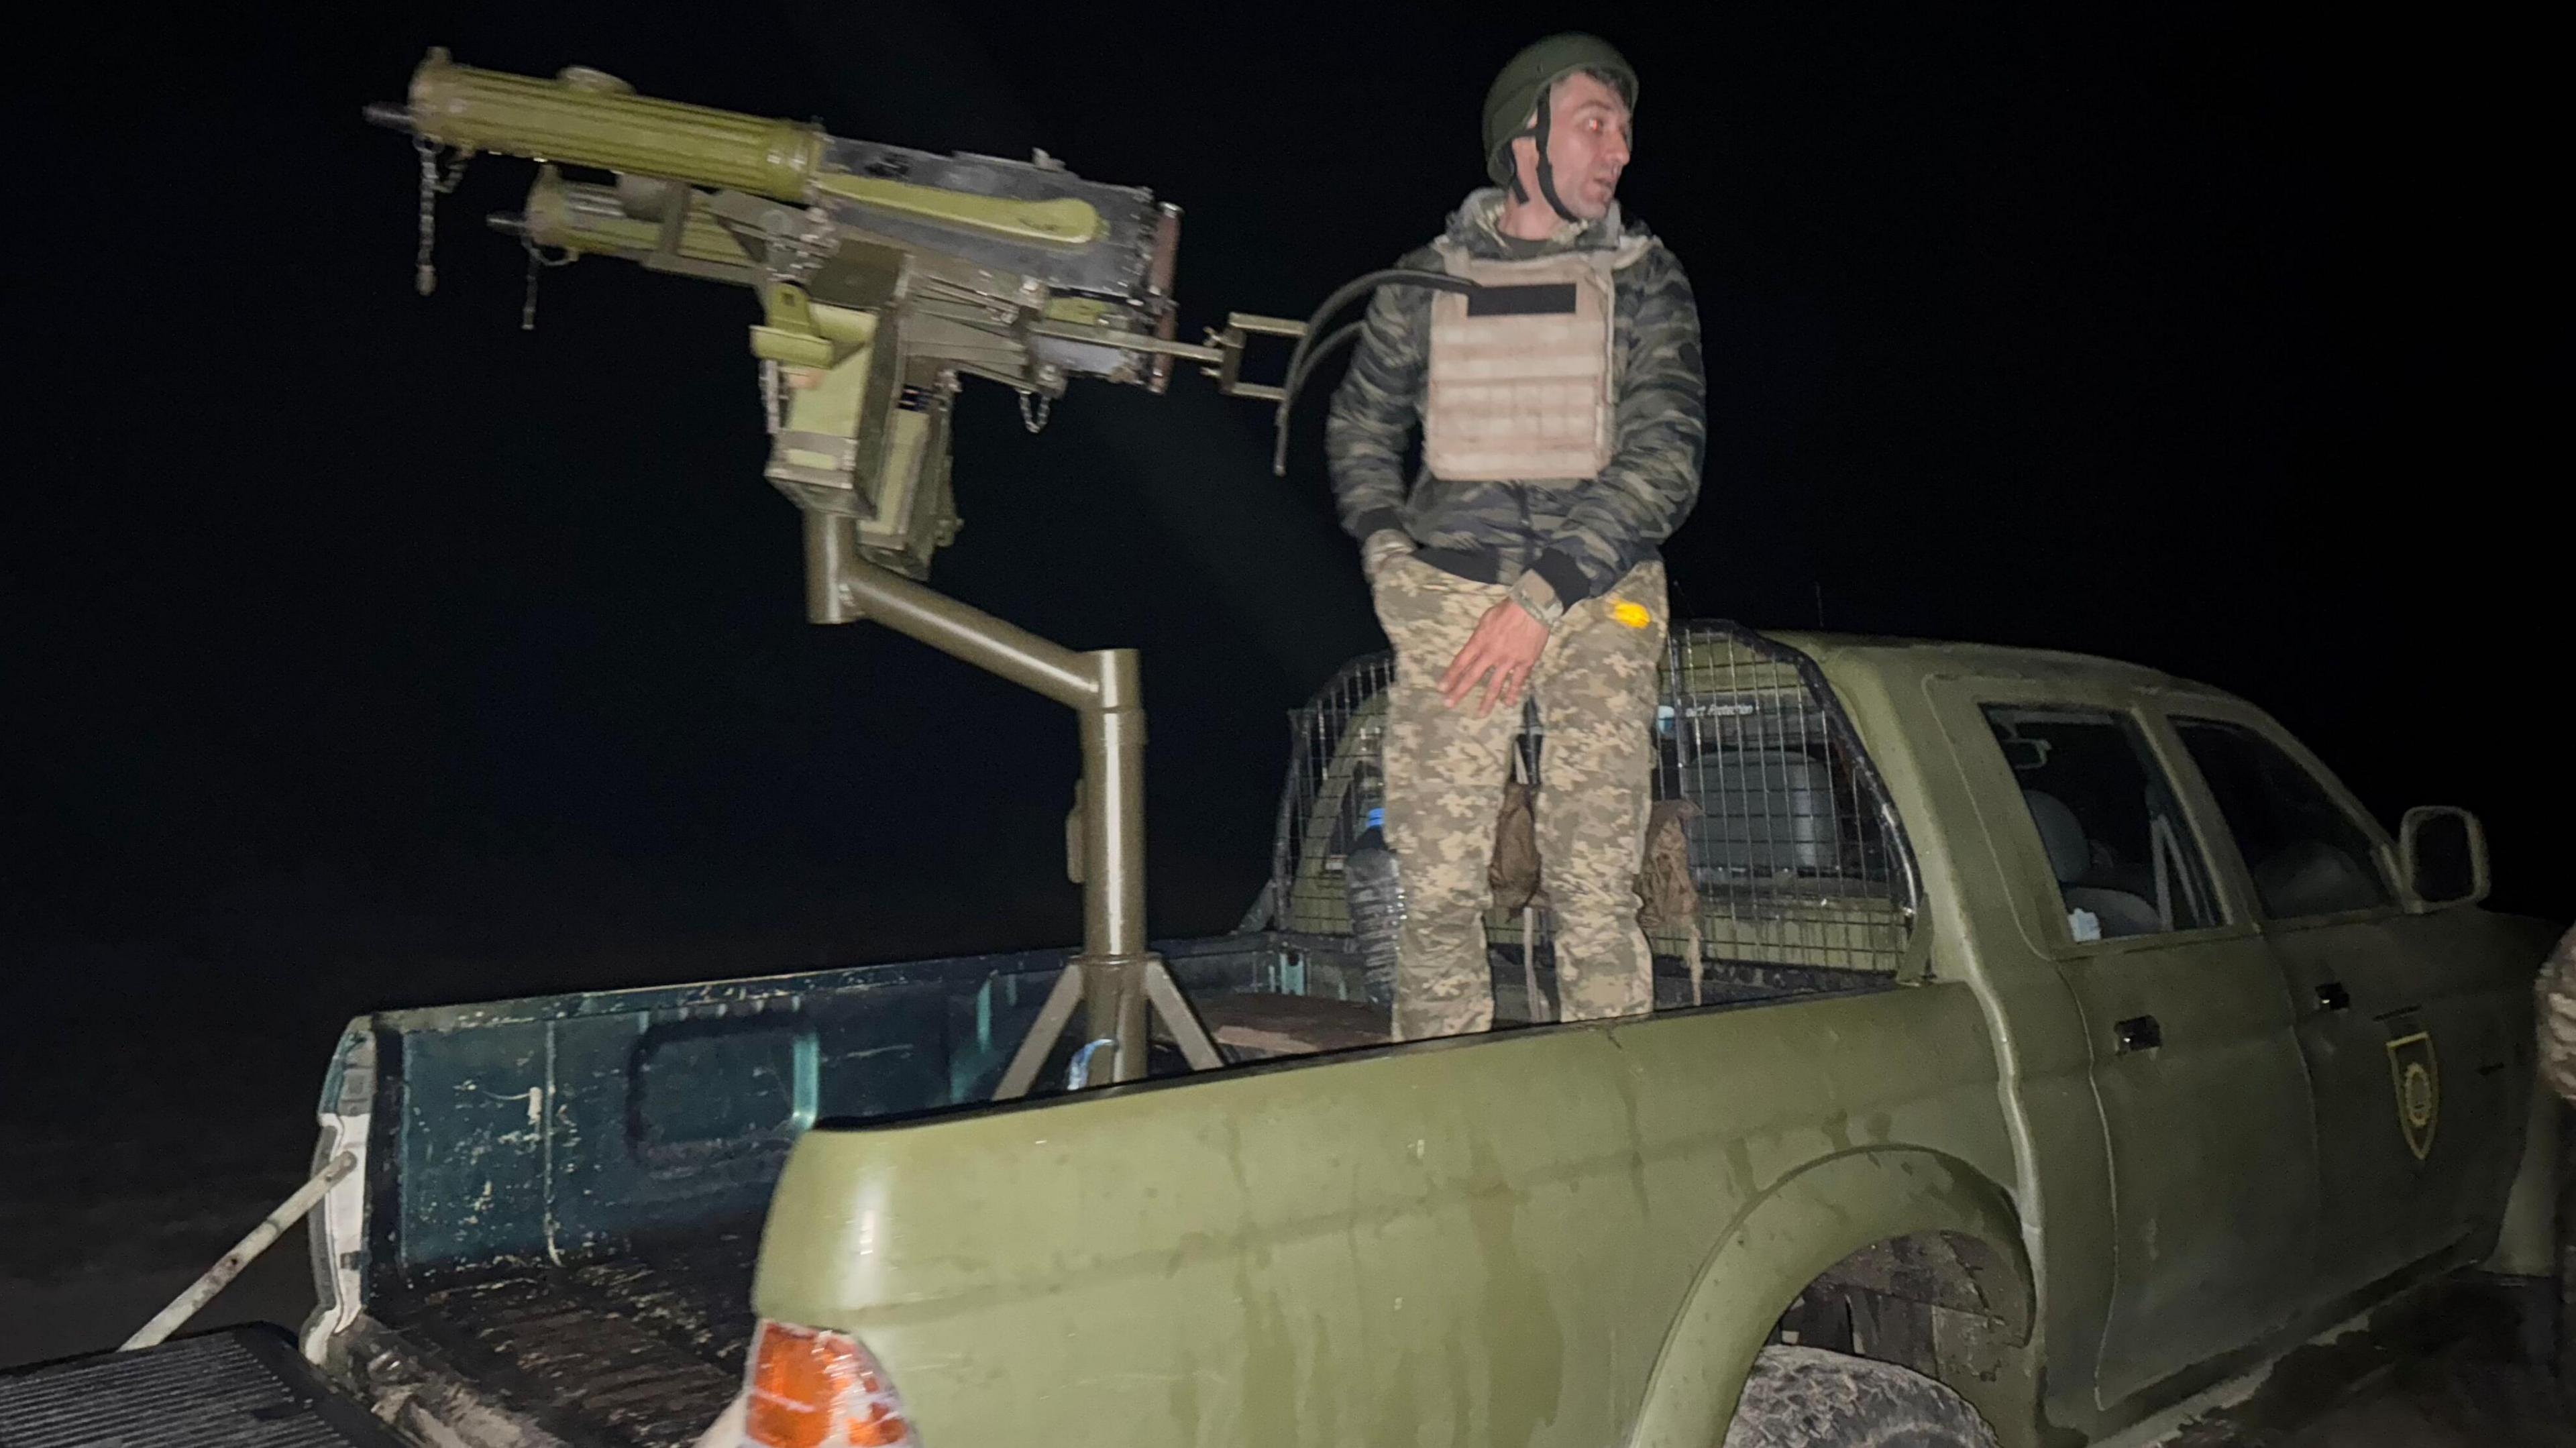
x: 562, y: 1197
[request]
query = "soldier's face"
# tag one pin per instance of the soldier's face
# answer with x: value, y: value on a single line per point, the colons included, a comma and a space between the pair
x: 1587, y: 145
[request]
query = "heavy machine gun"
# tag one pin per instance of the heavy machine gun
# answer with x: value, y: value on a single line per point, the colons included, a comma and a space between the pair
x: 885, y: 276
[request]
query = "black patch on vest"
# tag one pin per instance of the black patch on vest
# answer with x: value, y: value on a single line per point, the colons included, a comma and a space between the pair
x: 1538, y: 299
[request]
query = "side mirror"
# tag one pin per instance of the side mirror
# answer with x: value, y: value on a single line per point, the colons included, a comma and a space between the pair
x: 2443, y: 854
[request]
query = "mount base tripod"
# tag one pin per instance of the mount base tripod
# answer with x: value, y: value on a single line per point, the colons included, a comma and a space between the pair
x: 1115, y: 978
x: 1087, y: 979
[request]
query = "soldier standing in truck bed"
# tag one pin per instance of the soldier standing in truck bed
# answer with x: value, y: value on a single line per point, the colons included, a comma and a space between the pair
x: 1563, y: 425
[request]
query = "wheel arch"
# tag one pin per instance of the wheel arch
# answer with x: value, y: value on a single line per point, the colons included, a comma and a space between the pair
x: 1820, y: 1216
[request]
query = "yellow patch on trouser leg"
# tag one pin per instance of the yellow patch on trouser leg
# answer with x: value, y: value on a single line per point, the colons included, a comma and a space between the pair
x: 1634, y: 615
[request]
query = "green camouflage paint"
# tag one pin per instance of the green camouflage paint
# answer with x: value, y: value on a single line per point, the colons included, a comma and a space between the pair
x: 1580, y: 1234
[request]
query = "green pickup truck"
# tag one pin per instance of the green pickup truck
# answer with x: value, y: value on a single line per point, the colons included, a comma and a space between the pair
x: 2054, y: 1038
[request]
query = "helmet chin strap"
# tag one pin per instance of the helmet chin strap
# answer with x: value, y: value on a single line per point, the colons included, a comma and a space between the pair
x: 1537, y: 131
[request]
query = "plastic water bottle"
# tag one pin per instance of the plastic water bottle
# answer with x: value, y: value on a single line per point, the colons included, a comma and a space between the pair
x: 1374, y: 892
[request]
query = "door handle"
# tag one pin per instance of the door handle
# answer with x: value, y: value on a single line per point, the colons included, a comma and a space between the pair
x: 2139, y: 1033
x: 2333, y: 997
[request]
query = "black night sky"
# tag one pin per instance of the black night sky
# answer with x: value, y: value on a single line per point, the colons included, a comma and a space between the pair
x: 364, y: 650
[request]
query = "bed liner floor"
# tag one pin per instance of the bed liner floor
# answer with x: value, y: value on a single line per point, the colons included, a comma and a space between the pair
x: 638, y: 1350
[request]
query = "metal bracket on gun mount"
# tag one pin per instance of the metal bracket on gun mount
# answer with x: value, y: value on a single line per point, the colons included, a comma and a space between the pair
x: 1221, y: 356
x: 1223, y: 353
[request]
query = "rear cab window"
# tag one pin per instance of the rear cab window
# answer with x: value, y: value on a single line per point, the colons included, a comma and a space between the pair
x: 2112, y: 834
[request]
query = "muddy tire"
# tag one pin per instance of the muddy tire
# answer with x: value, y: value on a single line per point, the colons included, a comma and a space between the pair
x: 1806, y: 1397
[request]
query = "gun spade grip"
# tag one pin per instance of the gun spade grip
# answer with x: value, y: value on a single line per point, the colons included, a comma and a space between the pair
x: 587, y: 125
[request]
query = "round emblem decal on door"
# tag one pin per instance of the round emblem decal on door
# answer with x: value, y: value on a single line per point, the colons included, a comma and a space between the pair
x: 2417, y: 1074
x: 2418, y: 1095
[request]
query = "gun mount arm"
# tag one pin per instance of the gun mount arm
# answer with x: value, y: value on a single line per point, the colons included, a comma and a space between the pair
x: 1116, y: 978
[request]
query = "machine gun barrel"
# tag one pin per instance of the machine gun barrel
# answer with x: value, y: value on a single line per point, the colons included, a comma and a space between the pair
x: 585, y: 118
x: 591, y: 220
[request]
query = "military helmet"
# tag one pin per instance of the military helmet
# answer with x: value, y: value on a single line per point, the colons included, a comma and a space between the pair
x: 1527, y: 76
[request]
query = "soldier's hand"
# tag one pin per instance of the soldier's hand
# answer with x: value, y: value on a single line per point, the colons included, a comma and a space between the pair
x: 1505, y: 646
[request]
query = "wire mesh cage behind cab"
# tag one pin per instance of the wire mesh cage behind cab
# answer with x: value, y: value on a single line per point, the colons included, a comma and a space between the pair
x: 1796, y: 856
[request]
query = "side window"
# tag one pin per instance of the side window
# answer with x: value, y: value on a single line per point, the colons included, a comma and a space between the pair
x: 2307, y: 856
x: 2125, y: 863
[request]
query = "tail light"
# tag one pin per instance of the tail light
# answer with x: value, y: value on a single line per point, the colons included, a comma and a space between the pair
x: 815, y: 1389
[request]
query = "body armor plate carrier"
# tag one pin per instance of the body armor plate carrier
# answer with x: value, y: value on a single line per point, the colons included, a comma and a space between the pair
x: 1524, y: 381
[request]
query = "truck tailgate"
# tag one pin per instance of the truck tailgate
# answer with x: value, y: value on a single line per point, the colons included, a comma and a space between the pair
x: 239, y: 1388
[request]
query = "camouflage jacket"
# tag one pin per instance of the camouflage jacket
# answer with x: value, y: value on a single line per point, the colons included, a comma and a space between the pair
x: 2557, y: 1011
x: 1579, y: 537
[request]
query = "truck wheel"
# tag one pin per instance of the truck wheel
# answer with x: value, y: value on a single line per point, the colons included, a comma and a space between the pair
x: 1806, y: 1397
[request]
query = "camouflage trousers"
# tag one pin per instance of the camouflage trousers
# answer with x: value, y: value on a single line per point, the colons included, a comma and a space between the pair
x: 1445, y: 772
x: 2556, y: 989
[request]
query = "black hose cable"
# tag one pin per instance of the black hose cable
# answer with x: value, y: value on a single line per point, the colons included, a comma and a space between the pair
x: 1334, y: 340
x: 1342, y: 297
